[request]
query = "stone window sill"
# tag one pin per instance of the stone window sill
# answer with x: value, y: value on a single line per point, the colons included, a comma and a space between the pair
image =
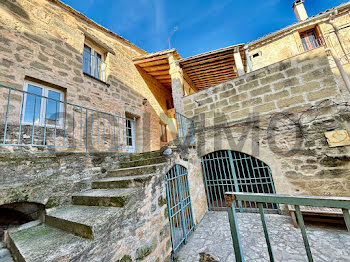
x: 99, y: 80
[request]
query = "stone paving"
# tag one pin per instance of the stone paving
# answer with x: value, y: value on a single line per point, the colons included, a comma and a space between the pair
x: 212, y: 237
x: 5, y: 255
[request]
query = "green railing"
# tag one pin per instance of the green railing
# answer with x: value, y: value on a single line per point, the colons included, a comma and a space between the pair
x: 314, y: 201
x: 185, y: 129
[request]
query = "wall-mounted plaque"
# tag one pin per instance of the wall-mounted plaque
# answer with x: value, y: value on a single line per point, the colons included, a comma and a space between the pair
x: 338, y: 138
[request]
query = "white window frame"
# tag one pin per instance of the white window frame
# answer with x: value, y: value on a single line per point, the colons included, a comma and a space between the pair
x: 132, y: 148
x: 93, y: 64
x: 43, y: 105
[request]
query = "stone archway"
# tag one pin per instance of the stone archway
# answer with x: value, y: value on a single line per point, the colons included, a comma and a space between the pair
x: 16, y: 214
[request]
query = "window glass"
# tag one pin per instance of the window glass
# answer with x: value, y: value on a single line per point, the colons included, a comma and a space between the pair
x: 52, y: 107
x: 87, y: 60
x: 33, y: 105
x: 98, y: 59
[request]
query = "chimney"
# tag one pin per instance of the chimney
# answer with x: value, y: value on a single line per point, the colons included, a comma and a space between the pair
x: 299, y: 10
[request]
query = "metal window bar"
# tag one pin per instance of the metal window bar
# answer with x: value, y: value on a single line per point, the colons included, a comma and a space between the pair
x: 68, y: 125
x: 314, y: 201
x: 319, y: 42
x: 185, y: 129
x: 226, y: 171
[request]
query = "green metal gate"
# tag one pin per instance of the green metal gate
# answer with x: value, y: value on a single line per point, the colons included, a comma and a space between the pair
x: 231, y: 171
x: 179, y: 205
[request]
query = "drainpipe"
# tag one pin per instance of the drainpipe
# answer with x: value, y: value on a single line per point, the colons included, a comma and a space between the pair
x: 343, y: 74
x: 336, y: 31
x: 250, y: 65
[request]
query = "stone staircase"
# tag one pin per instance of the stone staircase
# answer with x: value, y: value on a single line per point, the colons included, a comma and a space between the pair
x: 69, y: 231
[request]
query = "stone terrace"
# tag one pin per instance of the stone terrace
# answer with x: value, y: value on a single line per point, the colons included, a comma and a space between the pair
x: 213, y: 238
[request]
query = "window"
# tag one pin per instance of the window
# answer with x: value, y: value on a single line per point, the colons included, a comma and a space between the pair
x: 256, y: 55
x: 311, y: 39
x: 44, y: 108
x: 163, y: 133
x: 93, y: 63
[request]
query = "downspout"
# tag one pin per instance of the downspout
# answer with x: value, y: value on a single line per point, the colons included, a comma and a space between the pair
x: 341, y: 69
x: 250, y: 65
x: 336, y: 31
x: 343, y: 74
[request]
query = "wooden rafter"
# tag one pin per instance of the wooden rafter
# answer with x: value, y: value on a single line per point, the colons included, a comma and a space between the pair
x: 213, y: 74
x: 225, y: 68
x: 216, y: 58
x: 211, y: 65
x: 159, y: 73
x: 157, y: 68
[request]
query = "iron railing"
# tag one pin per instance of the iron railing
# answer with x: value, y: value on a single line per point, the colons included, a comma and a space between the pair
x: 314, y: 201
x: 32, y: 120
x: 313, y: 44
x: 185, y: 129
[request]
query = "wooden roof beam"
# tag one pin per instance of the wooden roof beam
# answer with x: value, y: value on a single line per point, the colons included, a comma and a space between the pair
x: 156, y: 68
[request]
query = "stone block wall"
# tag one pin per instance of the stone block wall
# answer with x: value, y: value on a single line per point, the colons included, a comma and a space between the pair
x: 139, y: 232
x: 48, y: 177
x: 43, y: 41
x: 289, y: 86
x: 279, y: 114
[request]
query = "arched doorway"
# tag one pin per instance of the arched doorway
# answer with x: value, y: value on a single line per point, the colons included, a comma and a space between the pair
x: 232, y: 171
x: 16, y: 214
x: 179, y: 205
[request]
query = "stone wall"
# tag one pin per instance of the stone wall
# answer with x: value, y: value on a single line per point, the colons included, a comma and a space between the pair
x: 289, y: 86
x: 279, y: 114
x: 139, y: 232
x: 287, y: 43
x: 50, y: 177
x: 43, y: 41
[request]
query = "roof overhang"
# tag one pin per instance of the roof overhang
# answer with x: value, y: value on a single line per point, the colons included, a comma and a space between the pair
x: 311, y: 20
x: 157, y: 65
x: 212, y: 68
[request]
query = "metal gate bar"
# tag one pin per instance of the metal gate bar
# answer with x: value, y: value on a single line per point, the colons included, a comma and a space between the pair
x: 179, y: 205
x: 232, y: 171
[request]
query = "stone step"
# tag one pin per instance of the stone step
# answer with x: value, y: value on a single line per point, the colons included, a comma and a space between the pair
x: 34, y: 241
x: 121, y: 182
x: 103, y: 197
x: 83, y: 221
x: 141, y: 156
x: 134, y: 171
x: 144, y: 162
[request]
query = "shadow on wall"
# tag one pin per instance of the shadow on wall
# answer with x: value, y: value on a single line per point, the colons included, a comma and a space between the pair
x: 15, y: 8
x: 15, y: 214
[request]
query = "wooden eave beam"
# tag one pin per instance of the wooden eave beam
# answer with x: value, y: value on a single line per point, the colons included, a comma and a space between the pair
x: 152, y: 59
x: 213, y: 74
x: 224, y: 62
x: 159, y: 73
x: 192, y: 63
x: 154, y: 63
x: 213, y: 70
x: 156, y: 68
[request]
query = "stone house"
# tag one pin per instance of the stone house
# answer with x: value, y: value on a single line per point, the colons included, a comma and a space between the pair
x: 93, y: 110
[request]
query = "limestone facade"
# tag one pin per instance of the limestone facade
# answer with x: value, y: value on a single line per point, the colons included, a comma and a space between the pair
x: 43, y: 41
x: 279, y: 114
x: 287, y: 42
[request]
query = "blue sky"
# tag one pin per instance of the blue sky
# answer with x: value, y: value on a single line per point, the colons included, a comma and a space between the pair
x: 203, y: 25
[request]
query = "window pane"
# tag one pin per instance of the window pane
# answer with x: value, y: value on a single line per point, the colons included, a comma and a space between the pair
x: 87, y: 60
x: 312, y: 40
x: 33, y: 104
x: 52, y: 107
x: 130, y: 141
x: 98, y: 59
